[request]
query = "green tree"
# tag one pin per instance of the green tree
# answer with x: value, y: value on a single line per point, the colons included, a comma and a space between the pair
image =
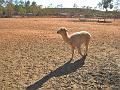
x: 22, y: 10
x: 116, y: 7
x: 105, y: 4
x: 1, y: 2
x: 75, y: 5
x: 27, y: 6
x: 1, y: 7
x: 40, y: 10
x: 9, y: 9
x: 1, y: 11
x: 34, y: 3
x: 27, y: 3
x: 117, y: 4
x: 21, y: 2
x: 16, y: 7
x: 34, y: 8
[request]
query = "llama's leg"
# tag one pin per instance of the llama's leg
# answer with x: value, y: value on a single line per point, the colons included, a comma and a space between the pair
x: 86, y: 45
x: 72, y: 49
x: 86, y: 49
x: 79, y: 50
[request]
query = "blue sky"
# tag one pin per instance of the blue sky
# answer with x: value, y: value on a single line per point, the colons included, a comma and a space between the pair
x: 67, y: 3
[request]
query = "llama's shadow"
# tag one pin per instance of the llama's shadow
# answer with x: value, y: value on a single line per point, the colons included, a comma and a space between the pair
x: 67, y: 68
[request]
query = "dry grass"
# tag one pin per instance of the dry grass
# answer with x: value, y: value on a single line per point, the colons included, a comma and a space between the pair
x: 33, y: 56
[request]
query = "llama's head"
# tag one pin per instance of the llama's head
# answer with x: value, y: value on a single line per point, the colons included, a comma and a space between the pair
x: 62, y: 30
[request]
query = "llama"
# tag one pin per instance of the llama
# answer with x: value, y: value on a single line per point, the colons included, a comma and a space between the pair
x: 75, y: 40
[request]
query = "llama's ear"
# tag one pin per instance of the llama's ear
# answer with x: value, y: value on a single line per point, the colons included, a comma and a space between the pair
x: 66, y: 30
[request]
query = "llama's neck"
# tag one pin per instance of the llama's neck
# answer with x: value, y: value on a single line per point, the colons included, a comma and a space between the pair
x: 65, y: 37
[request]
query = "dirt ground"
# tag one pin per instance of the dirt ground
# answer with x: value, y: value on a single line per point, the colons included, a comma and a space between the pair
x: 34, y: 57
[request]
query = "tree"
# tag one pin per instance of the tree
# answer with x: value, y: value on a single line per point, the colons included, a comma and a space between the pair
x: 50, y: 6
x: 27, y: 5
x: 117, y: 7
x: 1, y: 7
x: 22, y: 10
x: 21, y: 3
x: 1, y: 11
x: 1, y: 2
x: 105, y: 4
x: 16, y: 8
x: 9, y: 1
x: 16, y: 2
x: 117, y: 4
x: 9, y: 9
x: 75, y: 5
x: 60, y: 6
x: 34, y: 8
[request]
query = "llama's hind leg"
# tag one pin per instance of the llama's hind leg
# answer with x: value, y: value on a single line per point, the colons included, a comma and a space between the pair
x: 86, y: 46
x: 79, y: 51
x: 72, y: 50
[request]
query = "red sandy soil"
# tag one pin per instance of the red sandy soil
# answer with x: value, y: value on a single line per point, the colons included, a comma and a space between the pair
x: 33, y: 56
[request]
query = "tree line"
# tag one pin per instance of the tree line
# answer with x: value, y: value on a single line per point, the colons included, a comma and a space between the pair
x: 9, y: 8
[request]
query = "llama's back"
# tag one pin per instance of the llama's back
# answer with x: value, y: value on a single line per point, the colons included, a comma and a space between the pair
x: 79, y: 38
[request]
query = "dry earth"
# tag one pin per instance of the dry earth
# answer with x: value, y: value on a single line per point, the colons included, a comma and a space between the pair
x: 33, y: 56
